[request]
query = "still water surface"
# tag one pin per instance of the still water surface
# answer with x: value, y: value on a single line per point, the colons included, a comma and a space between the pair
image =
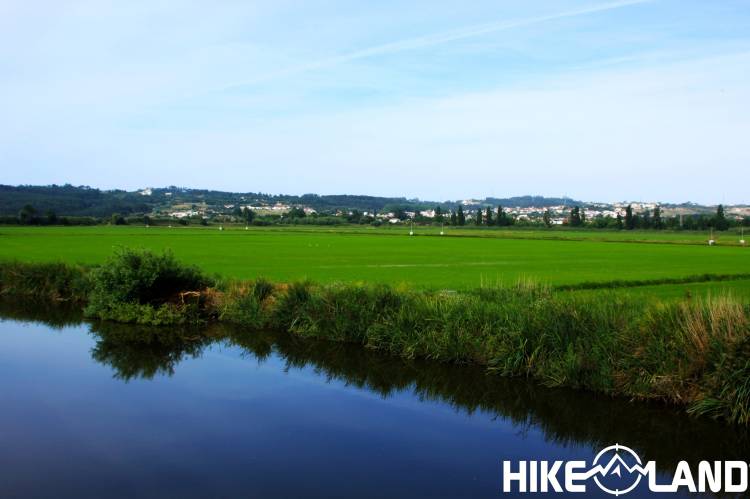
x: 119, y: 411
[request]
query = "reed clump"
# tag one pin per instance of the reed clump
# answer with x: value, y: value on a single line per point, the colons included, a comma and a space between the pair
x: 692, y: 353
x: 50, y: 282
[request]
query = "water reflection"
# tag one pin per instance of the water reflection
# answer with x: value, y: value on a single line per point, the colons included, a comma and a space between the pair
x: 145, y: 352
x: 564, y: 416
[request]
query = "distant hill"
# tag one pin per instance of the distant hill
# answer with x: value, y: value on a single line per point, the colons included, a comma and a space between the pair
x: 68, y: 200
x: 71, y: 201
x: 529, y: 201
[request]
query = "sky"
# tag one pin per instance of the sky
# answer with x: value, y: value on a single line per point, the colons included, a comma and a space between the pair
x: 599, y: 100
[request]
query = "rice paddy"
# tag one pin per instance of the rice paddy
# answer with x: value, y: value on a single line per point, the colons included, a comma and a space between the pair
x: 461, y: 259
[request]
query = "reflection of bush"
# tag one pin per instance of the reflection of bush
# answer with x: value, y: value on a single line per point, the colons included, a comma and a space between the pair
x: 144, y: 352
x: 61, y: 315
x: 564, y: 416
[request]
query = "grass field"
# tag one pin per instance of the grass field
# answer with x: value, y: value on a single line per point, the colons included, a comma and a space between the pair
x: 453, y: 261
x: 728, y: 238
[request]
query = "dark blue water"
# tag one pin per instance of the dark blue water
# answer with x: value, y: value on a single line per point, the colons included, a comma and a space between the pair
x: 112, y: 411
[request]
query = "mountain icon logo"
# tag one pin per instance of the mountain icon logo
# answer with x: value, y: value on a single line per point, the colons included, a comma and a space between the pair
x: 616, y: 458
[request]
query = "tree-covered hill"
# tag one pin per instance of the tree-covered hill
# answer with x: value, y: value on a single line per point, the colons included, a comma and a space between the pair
x: 68, y: 200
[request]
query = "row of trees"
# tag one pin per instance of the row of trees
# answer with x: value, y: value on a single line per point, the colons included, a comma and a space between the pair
x: 497, y: 217
x: 28, y: 215
x: 649, y: 219
x: 654, y: 220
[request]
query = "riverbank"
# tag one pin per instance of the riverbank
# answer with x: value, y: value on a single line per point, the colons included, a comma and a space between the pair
x: 693, y: 353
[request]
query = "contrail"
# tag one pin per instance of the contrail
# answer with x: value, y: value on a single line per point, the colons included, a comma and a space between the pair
x: 434, y: 39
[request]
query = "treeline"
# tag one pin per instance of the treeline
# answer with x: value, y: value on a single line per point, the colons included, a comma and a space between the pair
x: 649, y: 219
x: 28, y: 215
x: 71, y: 201
x: 488, y: 217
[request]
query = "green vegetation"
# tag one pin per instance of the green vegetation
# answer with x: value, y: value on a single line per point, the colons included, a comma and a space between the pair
x: 141, y: 287
x: 462, y: 259
x: 45, y: 282
x: 69, y: 205
x: 80, y: 201
x: 691, y: 352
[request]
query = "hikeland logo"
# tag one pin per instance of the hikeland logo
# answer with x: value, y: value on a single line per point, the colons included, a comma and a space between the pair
x: 618, y: 470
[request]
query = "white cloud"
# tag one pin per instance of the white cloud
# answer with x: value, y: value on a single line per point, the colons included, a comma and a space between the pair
x: 436, y: 39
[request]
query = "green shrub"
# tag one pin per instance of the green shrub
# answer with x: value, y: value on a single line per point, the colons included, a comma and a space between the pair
x: 143, y: 287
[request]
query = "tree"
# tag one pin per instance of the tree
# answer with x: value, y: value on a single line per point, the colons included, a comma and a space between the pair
x: 720, y: 222
x: 502, y: 218
x: 438, y: 214
x: 296, y: 212
x: 547, y: 218
x: 454, y: 218
x: 478, y: 219
x: 147, y: 220
x: 488, y: 216
x: 629, y: 220
x: 657, y: 222
x: 117, y: 219
x: 27, y: 215
x: 645, y: 221
x: 354, y: 217
x: 460, y: 216
x: 575, y: 217
x: 248, y: 215
x: 51, y: 217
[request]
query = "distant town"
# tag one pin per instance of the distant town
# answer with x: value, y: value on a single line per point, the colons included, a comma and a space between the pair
x: 84, y: 205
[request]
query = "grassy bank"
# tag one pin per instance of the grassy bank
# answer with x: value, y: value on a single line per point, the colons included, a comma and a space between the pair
x: 693, y: 353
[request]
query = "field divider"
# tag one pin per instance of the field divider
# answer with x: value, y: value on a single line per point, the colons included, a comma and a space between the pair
x: 620, y: 283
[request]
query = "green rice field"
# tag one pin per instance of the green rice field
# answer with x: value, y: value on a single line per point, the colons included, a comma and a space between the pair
x: 459, y: 259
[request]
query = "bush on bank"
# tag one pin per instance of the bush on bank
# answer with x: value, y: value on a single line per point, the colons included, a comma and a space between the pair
x: 693, y: 353
x: 142, y: 287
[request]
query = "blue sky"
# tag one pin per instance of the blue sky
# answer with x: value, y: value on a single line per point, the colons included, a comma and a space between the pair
x: 597, y: 100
